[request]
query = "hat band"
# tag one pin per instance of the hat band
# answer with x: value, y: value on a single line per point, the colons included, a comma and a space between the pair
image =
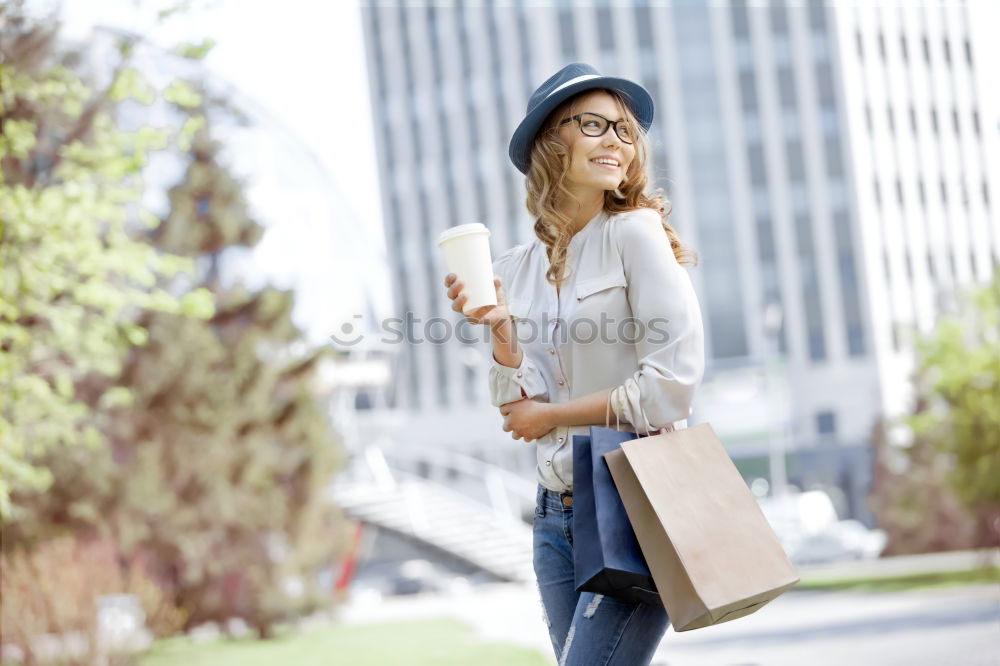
x: 585, y: 77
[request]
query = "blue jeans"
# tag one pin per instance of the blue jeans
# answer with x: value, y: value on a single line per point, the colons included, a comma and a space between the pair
x: 586, y: 629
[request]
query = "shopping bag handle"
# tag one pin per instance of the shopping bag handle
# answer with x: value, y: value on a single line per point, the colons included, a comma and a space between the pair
x: 607, y: 413
x: 607, y: 418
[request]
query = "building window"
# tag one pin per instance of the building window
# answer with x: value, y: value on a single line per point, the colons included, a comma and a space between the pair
x: 605, y: 27
x: 834, y: 160
x: 836, y: 194
x: 817, y: 15
x: 567, y: 36
x: 779, y: 19
x: 796, y: 164
x: 817, y: 346
x: 824, y: 83
x: 790, y: 122
x: 828, y: 119
x: 748, y: 91
x: 826, y: 423
x: 738, y: 15
x: 782, y: 50
x: 758, y: 170
x: 799, y: 196
x: 644, y: 22
x: 751, y: 127
x: 786, y: 86
x: 821, y: 47
x: 744, y: 54
x: 855, y: 340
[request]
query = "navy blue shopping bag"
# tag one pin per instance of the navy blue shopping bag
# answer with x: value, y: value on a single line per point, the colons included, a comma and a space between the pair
x: 606, y: 556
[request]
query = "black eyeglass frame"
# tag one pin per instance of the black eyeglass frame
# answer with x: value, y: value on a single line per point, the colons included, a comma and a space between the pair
x: 609, y: 122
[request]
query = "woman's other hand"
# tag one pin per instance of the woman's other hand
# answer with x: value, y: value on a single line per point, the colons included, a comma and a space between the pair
x: 488, y: 314
x: 527, y: 419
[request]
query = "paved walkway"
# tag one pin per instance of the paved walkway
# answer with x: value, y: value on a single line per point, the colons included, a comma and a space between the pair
x: 933, y: 627
x: 959, y: 560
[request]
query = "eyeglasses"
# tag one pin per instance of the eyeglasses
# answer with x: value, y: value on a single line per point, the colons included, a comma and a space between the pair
x: 593, y: 124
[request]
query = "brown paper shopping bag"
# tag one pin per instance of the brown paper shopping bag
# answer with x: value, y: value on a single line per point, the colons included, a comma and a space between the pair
x: 711, y: 551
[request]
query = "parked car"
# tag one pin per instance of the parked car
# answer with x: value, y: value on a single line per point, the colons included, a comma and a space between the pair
x: 811, y: 532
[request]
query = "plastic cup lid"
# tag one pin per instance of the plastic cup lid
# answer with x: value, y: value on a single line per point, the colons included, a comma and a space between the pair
x: 462, y: 230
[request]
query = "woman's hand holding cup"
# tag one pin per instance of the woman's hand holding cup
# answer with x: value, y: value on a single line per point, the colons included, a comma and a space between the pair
x: 488, y: 314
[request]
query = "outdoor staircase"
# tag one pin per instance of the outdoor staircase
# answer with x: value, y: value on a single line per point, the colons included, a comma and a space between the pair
x: 443, y: 518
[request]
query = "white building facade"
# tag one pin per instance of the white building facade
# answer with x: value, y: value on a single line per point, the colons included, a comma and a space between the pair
x: 831, y: 162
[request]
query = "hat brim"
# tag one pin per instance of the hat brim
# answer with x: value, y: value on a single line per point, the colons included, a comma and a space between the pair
x: 639, y: 101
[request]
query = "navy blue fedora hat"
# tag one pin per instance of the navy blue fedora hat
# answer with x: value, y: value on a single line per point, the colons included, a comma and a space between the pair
x: 567, y: 82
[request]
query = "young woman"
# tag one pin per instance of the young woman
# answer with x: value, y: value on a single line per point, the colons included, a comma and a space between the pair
x: 605, y: 316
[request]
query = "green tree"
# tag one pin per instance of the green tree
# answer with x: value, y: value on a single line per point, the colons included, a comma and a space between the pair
x: 219, y: 449
x: 217, y: 471
x: 73, y: 274
x: 227, y: 453
x: 942, y: 491
x: 958, y: 380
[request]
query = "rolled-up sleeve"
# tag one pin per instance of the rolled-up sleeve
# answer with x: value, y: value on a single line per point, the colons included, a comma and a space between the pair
x: 671, y: 351
x: 506, y: 383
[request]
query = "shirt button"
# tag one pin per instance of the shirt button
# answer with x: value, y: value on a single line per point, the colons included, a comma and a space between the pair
x: 561, y: 439
x: 552, y: 351
x: 548, y: 463
x: 520, y: 374
x: 561, y: 382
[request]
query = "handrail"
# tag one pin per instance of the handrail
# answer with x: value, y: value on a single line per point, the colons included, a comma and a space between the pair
x: 465, y: 464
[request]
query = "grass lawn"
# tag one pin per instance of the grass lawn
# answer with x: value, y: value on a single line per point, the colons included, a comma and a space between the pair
x: 424, y: 643
x: 979, y: 576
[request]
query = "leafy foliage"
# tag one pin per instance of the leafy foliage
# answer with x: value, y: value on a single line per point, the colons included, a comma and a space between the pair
x: 73, y: 273
x: 942, y: 491
x: 959, y: 412
x: 51, y: 590
x: 210, y: 451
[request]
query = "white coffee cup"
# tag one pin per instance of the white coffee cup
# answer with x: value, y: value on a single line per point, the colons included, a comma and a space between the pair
x: 467, y: 255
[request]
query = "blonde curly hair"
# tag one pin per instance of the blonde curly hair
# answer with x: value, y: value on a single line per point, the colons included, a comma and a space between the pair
x: 546, y: 185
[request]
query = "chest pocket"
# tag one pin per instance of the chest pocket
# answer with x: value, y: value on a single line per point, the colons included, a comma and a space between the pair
x: 519, y: 307
x: 610, y: 280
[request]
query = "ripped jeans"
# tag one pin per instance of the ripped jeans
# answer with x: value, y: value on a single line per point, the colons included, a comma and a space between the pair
x: 586, y: 629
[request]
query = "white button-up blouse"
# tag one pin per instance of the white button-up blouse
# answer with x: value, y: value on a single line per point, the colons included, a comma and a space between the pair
x: 626, y: 318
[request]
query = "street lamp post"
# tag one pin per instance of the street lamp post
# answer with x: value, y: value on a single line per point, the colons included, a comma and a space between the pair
x: 776, y: 434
